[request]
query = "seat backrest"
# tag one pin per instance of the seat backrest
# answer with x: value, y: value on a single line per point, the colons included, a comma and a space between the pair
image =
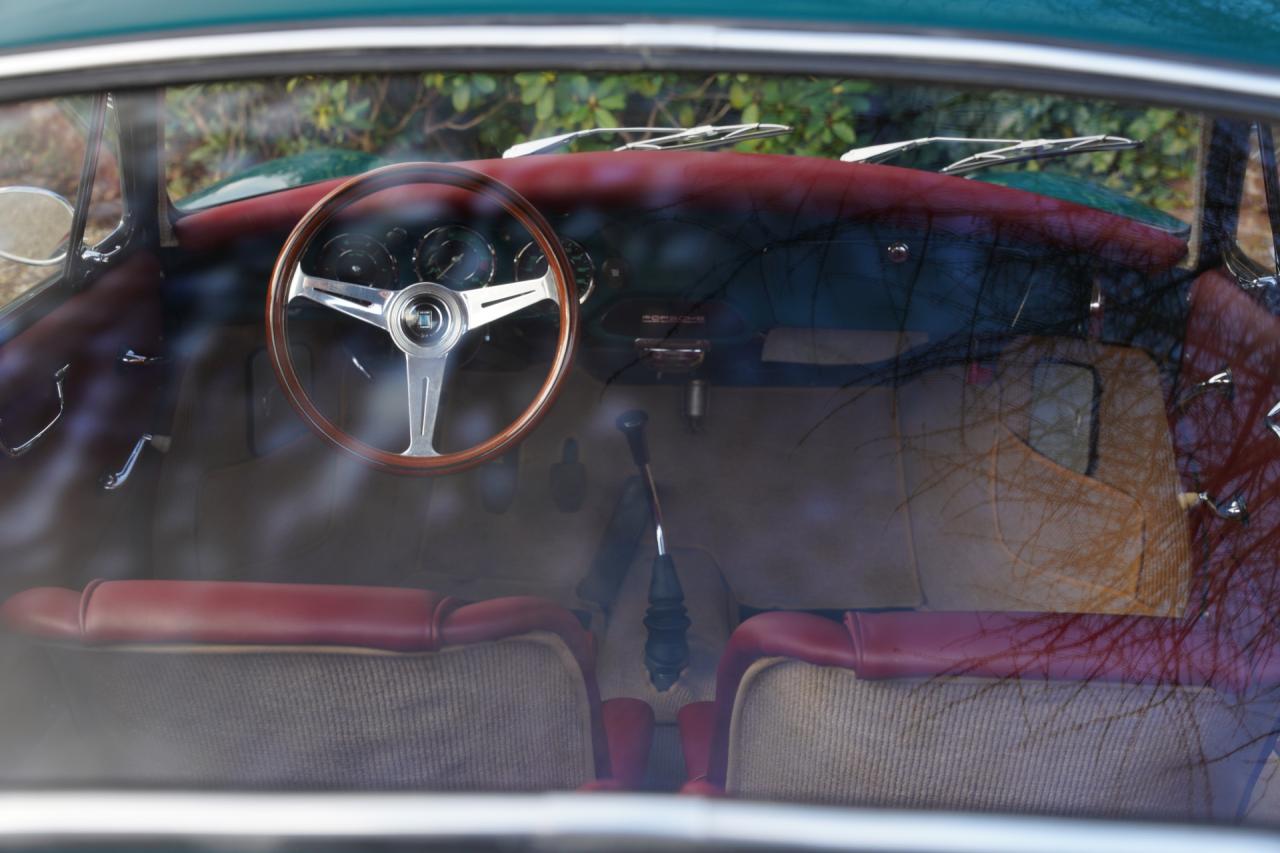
x: 309, y: 686
x: 1014, y: 712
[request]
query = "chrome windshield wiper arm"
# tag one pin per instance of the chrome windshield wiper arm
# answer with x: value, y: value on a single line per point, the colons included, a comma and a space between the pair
x: 707, y: 136
x: 671, y: 138
x: 1039, y: 149
x: 889, y: 150
x: 1013, y: 150
x: 550, y: 143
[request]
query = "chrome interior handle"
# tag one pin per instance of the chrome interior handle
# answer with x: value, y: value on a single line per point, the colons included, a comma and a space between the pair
x: 1220, y: 381
x: 133, y: 358
x: 62, y: 407
x: 1233, y: 510
x: 111, y: 482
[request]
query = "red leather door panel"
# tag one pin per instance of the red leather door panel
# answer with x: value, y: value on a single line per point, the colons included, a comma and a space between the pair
x: 1227, y: 449
x: 57, y: 523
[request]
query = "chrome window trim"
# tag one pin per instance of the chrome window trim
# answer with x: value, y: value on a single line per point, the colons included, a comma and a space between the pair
x: 103, y: 816
x: 652, y: 43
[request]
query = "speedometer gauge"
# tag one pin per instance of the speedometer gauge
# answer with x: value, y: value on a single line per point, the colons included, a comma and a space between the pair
x: 358, y: 259
x: 532, y: 263
x: 454, y: 255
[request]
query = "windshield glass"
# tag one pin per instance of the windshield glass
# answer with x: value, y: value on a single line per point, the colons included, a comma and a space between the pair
x: 659, y: 460
x: 228, y: 141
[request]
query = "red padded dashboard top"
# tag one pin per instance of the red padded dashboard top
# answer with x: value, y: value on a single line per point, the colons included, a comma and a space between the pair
x: 642, y: 181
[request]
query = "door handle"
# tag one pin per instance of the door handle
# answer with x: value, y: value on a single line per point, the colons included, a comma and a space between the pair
x: 1220, y: 381
x: 132, y: 358
x: 111, y: 482
x: 62, y: 407
x: 1234, y: 509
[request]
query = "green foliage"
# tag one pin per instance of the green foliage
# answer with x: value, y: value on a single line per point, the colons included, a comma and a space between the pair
x: 218, y: 130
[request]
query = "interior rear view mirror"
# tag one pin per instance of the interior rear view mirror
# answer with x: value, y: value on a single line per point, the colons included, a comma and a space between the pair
x: 34, y: 225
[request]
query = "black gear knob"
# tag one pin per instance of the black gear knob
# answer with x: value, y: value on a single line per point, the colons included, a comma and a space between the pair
x: 632, y: 424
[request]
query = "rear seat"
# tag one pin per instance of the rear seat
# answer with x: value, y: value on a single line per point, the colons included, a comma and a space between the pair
x: 1055, y: 713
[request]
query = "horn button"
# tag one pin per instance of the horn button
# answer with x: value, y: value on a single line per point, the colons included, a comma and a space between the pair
x: 426, y: 319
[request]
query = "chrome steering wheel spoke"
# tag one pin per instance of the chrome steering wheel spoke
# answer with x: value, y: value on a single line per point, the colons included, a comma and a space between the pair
x: 425, y: 375
x: 355, y: 300
x: 484, y: 305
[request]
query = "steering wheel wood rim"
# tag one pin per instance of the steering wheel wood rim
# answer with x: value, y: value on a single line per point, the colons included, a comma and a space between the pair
x: 284, y: 286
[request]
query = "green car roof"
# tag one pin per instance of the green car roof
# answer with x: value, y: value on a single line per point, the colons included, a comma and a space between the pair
x: 1219, y: 31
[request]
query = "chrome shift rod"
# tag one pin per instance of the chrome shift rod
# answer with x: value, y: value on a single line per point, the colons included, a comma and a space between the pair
x: 666, y: 648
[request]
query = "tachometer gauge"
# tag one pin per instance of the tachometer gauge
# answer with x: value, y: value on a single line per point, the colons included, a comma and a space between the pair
x: 359, y: 259
x: 455, y: 255
x: 532, y: 263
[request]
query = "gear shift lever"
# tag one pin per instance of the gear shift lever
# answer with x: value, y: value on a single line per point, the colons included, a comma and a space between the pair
x: 666, y: 649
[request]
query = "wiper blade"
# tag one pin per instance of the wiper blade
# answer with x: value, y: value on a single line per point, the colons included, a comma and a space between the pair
x: 670, y: 138
x: 1013, y: 150
x: 889, y: 150
x: 1039, y: 149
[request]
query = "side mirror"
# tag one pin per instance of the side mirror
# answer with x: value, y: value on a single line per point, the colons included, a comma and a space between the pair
x: 34, y: 225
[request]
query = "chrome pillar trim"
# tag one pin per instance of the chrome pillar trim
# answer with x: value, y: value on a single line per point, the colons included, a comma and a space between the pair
x: 31, y: 442
x: 641, y: 38
x: 1273, y: 419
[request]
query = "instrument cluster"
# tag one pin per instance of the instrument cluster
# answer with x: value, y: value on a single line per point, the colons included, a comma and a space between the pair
x: 453, y: 254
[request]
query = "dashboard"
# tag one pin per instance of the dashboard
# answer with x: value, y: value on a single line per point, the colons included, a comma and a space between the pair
x: 720, y: 251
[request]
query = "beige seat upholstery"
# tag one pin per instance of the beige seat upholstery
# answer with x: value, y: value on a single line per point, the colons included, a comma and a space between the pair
x: 307, y: 686
x: 1089, y: 715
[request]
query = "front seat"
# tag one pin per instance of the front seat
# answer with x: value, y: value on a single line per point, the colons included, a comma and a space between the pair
x: 310, y: 686
x: 1051, y: 713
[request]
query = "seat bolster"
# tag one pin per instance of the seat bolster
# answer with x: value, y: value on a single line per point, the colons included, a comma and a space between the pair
x: 48, y: 612
x: 247, y: 613
x: 800, y: 636
x: 696, y: 722
x: 499, y: 618
x: 628, y: 727
x: 1043, y: 646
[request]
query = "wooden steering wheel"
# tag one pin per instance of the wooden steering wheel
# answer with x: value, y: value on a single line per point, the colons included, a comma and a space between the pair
x: 425, y: 320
